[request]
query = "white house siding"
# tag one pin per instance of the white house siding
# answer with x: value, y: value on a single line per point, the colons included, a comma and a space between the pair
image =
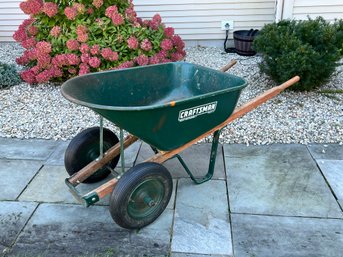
x: 300, y: 9
x: 192, y: 19
x: 10, y: 18
x: 201, y: 19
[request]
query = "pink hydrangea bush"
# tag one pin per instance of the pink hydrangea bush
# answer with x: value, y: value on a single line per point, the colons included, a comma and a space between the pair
x: 63, y: 39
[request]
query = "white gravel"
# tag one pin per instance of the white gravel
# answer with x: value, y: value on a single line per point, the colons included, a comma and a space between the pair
x: 292, y: 117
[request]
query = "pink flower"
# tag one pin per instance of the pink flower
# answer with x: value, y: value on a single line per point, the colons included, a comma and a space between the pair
x: 176, y: 57
x: 98, y: 3
x: 31, y: 6
x: 146, y: 23
x: 142, y: 60
x: 108, y: 54
x: 80, y: 8
x: 72, y: 59
x: 28, y: 22
x: 84, y: 48
x: 28, y: 76
x: 162, y: 54
x: 22, y: 60
x: 59, y: 60
x: 20, y: 35
x: 111, y: 10
x: 157, y: 19
x: 117, y: 19
x: 169, y: 32
x: 154, y: 59
x: 81, y: 32
x: 44, y: 47
x: 29, y: 43
x: 85, y: 58
x: 70, y: 12
x: 50, y: 9
x: 55, y: 31
x: 177, y: 41
x: 125, y: 65
x: 90, y: 10
x: 131, y: 15
x: 33, y: 30
x: 56, y: 72
x: 95, y: 50
x: 114, y: 57
x: 84, y: 69
x: 73, y: 44
x: 35, y: 69
x: 30, y: 54
x: 94, y: 62
x: 72, y: 70
x: 146, y: 45
x: 155, y: 22
x: 81, y: 29
x: 44, y: 76
x: 43, y: 61
x: 132, y: 43
x: 166, y: 44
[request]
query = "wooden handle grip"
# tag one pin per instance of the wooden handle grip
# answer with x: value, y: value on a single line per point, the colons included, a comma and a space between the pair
x: 228, y: 66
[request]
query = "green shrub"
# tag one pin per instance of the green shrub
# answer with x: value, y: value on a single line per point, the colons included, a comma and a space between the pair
x: 308, y: 48
x: 339, y: 35
x: 8, y: 75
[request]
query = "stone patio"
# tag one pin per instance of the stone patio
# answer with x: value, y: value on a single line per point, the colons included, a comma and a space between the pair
x: 264, y: 201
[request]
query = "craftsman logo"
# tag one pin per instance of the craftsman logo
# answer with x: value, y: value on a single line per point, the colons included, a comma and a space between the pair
x: 194, y: 112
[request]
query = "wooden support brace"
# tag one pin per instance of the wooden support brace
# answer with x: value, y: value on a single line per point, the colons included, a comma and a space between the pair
x: 88, y: 170
x: 105, y: 188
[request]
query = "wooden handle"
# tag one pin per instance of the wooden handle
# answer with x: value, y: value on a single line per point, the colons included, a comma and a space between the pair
x: 228, y: 66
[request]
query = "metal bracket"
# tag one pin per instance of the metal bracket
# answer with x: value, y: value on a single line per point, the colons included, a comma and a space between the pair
x: 87, y: 200
x: 213, y: 156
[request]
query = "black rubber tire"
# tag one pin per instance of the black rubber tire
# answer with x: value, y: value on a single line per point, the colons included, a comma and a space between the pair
x: 133, y: 181
x: 84, y: 148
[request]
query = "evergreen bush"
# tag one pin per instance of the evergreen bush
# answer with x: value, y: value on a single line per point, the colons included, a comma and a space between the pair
x: 309, y: 48
x: 8, y: 75
x: 64, y: 38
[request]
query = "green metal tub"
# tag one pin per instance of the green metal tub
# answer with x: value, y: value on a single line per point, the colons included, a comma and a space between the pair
x: 165, y: 105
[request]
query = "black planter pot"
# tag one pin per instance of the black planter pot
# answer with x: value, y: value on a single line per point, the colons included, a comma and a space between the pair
x: 243, y: 41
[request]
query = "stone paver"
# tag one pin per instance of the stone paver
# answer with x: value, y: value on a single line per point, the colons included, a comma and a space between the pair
x: 13, y: 217
x: 201, y: 224
x: 333, y: 172
x: 57, y: 157
x: 277, y: 180
x: 196, y: 157
x: 15, y: 175
x: 326, y: 151
x: 30, y: 149
x: 196, y: 255
x: 270, y: 236
x: 282, y: 204
x: 71, y: 230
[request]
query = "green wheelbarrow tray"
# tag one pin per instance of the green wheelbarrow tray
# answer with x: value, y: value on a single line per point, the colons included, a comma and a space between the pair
x: 165, y: 105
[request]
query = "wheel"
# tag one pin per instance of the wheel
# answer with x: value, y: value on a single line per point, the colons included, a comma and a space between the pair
x: 84, y: 148
x: 141, y: 195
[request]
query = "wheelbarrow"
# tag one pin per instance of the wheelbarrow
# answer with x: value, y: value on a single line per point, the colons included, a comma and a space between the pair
x: 170, y: 107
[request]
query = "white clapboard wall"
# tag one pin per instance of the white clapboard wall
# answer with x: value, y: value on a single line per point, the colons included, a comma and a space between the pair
x: 192, y: 19
x: 301, y: 9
